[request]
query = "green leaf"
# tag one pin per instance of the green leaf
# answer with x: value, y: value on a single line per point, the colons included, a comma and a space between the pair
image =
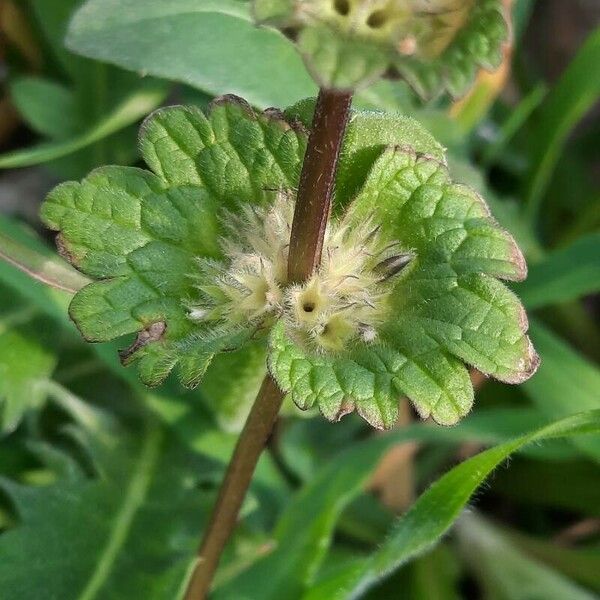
x: 368, y: 134
x: 437, y: 509
x: 17, y: 265
x: 131, y: 110
x: 575, y: 93
x: 142, y: 508
x: 565, y: 384
x: 84, y: 116
x: 352, y: 45
x: 417, y: 203
x: 476, y: 44
x: 154, y: 226
x: 220, y: 390
x: 235, y: 153
x: 507, y: 573
x: 449, y: 296
x: 306, y: 527
x: 183, y: 414
x: 26, y: 361
x: 370, y: 381
x: 565, y: 274
x: 212, y: 45
x: 447, y: 305
x: 445, y: 308
x: 339, y: 62
x: 391, y: 96
x: 48, y: 107
x: 47, y: 269
x: 231, y: 383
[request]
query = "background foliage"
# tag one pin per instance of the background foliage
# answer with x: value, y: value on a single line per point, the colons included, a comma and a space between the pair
x: 105, y: 486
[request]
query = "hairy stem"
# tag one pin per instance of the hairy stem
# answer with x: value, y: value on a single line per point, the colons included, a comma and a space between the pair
x: 241, y: 467
x: 308, y: 229
x: 316, y: 183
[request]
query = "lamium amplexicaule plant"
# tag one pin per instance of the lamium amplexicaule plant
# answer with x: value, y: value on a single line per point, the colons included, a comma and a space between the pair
x: 335, y: 239
x: 340, y: 243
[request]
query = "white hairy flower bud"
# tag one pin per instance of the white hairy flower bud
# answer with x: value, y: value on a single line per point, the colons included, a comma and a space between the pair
x: 344, y: 300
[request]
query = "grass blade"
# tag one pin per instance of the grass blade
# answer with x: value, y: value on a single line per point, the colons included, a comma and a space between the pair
x: 565, y: 383
x: 564, y: 275
x: 437, y: 509
x: 576, y: 92
x: 513, y: 123
x: 50, y: 270
x: 306, y: 527
x: 131, y: 110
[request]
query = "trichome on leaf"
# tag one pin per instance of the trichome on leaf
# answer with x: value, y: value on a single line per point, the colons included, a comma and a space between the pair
x: 192, y: 257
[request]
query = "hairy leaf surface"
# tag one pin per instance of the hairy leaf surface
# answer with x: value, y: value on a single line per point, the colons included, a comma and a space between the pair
x: 446, y: 308
x: 140, y: 232
x: 436, y: 510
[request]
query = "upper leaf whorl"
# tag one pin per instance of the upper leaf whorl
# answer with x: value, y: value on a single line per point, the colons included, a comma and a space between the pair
x: 191, y: 258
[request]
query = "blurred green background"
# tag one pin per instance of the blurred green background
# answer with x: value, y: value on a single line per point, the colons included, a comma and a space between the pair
x: 76, y: 429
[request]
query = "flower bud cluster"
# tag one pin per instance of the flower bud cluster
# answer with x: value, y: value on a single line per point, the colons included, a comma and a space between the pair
x: 345, y: 300
x: 409, y: 27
